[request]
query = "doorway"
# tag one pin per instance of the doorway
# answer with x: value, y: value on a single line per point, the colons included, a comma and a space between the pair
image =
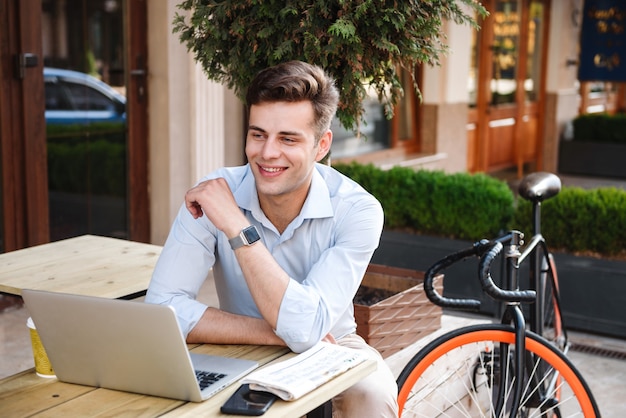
x: 508, y: 77
x: 23, y: 174
x: 86, y: 52
x: 74, y: 153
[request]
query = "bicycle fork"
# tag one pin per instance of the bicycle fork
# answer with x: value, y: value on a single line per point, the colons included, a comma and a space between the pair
x: 513, y: 314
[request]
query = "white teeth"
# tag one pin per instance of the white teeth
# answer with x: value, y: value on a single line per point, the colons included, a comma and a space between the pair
x: 272, y: 170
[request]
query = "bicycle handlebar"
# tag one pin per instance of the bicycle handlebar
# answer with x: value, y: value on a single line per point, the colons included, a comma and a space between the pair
x: 486, y: 281
x: 487, y: 251
x: 434, y: 296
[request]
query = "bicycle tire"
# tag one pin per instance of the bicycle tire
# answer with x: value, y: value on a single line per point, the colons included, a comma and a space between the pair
x: 441, y: 379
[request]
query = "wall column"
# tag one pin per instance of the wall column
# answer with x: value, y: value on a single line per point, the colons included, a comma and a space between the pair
x: 562, y: 98
x: 207, y: 124
x: 444, y: 109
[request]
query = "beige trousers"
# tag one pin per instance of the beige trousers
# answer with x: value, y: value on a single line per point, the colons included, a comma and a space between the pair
x: 375, y: 396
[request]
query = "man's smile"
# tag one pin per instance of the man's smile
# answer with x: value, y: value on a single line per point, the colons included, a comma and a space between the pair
x: 271, y: 169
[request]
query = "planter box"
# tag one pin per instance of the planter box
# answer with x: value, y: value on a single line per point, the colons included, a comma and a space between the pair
x: 398, y: 320
x: 419, y: 252
x: 593, y: 294
x: 592, y: 158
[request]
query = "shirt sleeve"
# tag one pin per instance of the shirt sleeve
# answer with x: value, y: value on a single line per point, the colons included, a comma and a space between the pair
x: 182, y: 268
x: 311, y: 309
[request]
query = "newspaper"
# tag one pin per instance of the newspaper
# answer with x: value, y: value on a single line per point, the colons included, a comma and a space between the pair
x: 293, y: 378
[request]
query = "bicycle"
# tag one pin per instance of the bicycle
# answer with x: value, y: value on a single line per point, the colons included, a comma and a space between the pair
x: 497, y: 370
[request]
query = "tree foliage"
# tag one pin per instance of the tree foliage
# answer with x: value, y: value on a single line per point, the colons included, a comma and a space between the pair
x: 363, y: 43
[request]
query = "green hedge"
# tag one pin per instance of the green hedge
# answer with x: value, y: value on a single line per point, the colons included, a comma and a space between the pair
x: 77, y: 130
x: 579, y: 220
x: 462, y: 205
x: 600, y: 127
x: 476, y: 206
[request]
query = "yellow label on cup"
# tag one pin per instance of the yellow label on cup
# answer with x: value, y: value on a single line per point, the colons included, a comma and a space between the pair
x: 43, y: 367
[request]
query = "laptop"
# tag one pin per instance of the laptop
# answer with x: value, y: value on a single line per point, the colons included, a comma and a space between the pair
x: 126, y: 345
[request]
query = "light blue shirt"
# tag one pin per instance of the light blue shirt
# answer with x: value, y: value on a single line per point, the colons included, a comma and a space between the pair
x: 325, y: 251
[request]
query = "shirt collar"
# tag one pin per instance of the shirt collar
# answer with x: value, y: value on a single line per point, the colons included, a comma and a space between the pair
x: 245, y: 194
x: 316, y: 205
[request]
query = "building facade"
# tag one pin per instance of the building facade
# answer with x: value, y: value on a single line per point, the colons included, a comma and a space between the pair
x: 502, y: 98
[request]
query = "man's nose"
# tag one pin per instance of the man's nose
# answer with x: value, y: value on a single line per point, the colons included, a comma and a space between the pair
x: 271, y: 148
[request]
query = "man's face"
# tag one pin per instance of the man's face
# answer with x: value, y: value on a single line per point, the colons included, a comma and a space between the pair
x: 281, y: 148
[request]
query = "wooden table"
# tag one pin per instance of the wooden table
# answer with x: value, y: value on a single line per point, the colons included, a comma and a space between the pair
x: 26, y: 394
x: 86, y: 265
x: 113, y: 268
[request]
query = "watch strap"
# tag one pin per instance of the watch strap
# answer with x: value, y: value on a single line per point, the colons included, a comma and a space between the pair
x: 236, y: 242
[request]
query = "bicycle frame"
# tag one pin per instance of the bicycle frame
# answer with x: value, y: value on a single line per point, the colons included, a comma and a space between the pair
x: 537, y: 254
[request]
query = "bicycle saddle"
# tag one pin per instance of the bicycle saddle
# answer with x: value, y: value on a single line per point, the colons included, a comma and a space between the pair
x: 539, y: 186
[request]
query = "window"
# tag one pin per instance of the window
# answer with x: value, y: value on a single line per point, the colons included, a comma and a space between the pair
x: 506, y: 26
x: 532, y: 84
x: 86, y: 98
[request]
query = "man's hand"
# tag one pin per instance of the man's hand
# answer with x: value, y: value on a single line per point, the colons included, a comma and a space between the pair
x: 214, y: 199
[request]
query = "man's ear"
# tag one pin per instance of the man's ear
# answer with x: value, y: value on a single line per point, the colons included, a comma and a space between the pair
x: 323, y: 146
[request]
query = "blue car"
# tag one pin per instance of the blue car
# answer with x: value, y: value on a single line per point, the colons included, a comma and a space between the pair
x: 77, y: 98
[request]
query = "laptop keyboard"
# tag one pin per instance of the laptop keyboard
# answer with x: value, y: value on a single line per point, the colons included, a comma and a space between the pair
x: 206, y: 379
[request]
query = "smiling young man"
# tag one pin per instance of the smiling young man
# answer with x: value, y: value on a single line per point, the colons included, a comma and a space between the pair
x: 288, y: 239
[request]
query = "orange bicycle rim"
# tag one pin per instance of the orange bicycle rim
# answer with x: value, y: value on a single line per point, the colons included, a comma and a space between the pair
x: 507, y: 337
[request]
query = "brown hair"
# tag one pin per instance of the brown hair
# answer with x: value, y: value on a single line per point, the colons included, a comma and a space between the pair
x: 295, y: 81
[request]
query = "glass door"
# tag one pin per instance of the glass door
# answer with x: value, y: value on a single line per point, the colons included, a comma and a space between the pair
x: 86, y: 117
x: 70, y: 149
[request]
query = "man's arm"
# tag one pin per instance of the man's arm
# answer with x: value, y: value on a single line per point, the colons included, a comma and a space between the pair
x: 303, y: 311
x: 266, y: 280
x: 219, y: 327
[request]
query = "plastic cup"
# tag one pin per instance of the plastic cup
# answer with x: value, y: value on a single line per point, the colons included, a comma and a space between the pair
x: 43, y: 367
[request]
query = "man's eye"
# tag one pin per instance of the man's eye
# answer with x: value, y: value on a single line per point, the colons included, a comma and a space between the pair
x: 289, y: 140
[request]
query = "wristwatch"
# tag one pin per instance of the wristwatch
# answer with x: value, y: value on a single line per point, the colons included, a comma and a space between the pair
x: 247, y: 236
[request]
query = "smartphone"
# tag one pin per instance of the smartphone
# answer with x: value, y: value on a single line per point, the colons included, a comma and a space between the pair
x: 248, y: 402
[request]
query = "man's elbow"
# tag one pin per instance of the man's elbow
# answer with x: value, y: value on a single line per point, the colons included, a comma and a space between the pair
x: 298, y: 341
x: 300, y: 347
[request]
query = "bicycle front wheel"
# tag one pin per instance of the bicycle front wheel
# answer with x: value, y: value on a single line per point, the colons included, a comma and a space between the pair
x: 459, y: 375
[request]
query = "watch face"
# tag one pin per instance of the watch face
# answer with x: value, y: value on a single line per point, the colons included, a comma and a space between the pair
x: 251, y: 234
